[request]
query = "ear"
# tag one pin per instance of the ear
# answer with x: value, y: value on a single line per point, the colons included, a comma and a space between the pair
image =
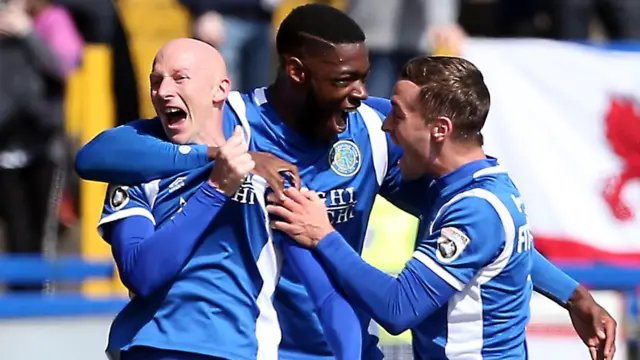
x: 221, y: 91
x: 295, y: 69
x: 441, y: 129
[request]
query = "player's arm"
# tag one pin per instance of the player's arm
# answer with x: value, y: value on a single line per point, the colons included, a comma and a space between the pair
x: 410, y: 196
x: 149, y: 259
x: 550, y: 281
x: 340, y: 324
x: 135, y: 153
x: 429, y: 278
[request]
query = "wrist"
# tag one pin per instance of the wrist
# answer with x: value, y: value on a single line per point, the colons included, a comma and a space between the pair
x: 212, y: 152
x: 578, y: 296
x: 214, y: 186
x: 322, y: 235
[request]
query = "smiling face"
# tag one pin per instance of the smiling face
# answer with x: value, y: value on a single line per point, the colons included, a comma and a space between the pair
x: 186, y: 83
x: 408, y: 128
x: 334, y: 85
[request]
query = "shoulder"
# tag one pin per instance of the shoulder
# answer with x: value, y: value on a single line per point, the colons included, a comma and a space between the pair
x: 477, y: 208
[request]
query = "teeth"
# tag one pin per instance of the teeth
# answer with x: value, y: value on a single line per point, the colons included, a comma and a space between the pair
x: 171, y: 110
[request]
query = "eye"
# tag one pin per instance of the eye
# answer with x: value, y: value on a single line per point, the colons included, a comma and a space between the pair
x: 155, y: 81
x: 341, y: 82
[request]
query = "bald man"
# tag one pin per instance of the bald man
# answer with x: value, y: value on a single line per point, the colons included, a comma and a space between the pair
x: 194, y: 248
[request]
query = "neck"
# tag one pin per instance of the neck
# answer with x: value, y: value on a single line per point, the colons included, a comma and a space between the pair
x: 211, y: 134
x: 287, y: 103
x: 457, y: 155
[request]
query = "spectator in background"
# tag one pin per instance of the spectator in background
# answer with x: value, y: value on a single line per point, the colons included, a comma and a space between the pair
x: 572, y: 18
x: 400, y: 30
x: 241, y: 30
x: 39, y: 47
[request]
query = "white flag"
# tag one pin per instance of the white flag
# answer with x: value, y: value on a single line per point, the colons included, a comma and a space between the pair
x: 565, y: 122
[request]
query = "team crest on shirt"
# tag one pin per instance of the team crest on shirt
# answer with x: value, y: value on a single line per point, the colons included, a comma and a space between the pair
x: 118, y: 197
x: 451, y: 244
x: 344, y: 158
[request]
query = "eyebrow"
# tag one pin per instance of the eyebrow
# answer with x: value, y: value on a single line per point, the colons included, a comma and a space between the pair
x: 396, y: 105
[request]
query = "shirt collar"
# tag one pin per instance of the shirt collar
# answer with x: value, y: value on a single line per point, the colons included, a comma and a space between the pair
x: 470, y: 170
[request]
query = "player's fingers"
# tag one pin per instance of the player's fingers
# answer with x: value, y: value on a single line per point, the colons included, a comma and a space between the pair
x: 273, y: 198
x: 312, y: 195
x: 610, y: 337
x: 297, y: 182
x: 237, y: 132
x: 234, y: 148
x: 612, y: 352
x: 242, y: 171
x: 276, y: 183
x: 593, y: 351
x: 295, y: 195
x: 235, y: 140
x: 280, y: 211
x: 283, y: 226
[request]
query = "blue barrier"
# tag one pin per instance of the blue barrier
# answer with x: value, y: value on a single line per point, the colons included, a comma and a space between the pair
x: 36, y: 269
x: 63, y: 304
x: 75, y: 270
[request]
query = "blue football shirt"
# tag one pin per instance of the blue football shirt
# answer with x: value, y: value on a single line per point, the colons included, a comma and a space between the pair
x: 220, y: 304
x: 348, y: 173
x: 477, y: 238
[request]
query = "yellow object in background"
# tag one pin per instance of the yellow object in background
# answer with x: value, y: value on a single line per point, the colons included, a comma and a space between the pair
x: 390, y: 244
x: 97, y: 114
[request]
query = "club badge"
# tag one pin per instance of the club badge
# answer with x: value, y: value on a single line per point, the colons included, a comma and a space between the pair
x: 344, y: 158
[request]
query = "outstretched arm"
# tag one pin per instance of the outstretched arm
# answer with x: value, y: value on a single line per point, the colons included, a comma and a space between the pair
x: 424, y: 285
x: 136, y: 153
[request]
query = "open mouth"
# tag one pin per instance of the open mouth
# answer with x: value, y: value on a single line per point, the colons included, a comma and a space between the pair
x: 175, y: 116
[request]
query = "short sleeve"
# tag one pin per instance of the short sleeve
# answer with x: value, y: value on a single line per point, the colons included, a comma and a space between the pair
x: 124, y: 201
x: 467, y: 235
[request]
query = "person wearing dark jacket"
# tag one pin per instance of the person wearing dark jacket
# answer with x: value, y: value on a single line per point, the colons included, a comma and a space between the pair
x: 31, y: 131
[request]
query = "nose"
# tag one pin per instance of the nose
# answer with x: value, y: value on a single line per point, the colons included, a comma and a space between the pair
x: 386, y: 125
x: 360, y: 91
x: 166, y: 90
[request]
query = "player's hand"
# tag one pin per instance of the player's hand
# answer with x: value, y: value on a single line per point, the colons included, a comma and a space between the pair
x: 594, y: 325
x: 232, y: 164
x: 304, y: 217
x: 209, y: 27
x: 272, y: 168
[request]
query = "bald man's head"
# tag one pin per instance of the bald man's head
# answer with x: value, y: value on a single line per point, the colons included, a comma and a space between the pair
x: 204, y: 57
x: 189, y: 83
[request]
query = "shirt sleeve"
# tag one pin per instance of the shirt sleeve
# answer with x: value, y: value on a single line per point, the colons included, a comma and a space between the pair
x: 431, y: 277
x: 467, y: 236
x: 123, y: 201
x: 136, y: 153
x: 149, y: 259
x: 550, y: 281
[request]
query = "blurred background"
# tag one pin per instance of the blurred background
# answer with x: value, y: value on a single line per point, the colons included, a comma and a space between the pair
x: 564, y: 76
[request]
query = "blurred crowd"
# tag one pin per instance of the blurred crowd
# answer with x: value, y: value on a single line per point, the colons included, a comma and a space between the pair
x: 42, y: 41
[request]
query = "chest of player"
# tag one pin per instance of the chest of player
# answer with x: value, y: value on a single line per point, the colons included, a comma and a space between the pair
x: 344, y: 177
